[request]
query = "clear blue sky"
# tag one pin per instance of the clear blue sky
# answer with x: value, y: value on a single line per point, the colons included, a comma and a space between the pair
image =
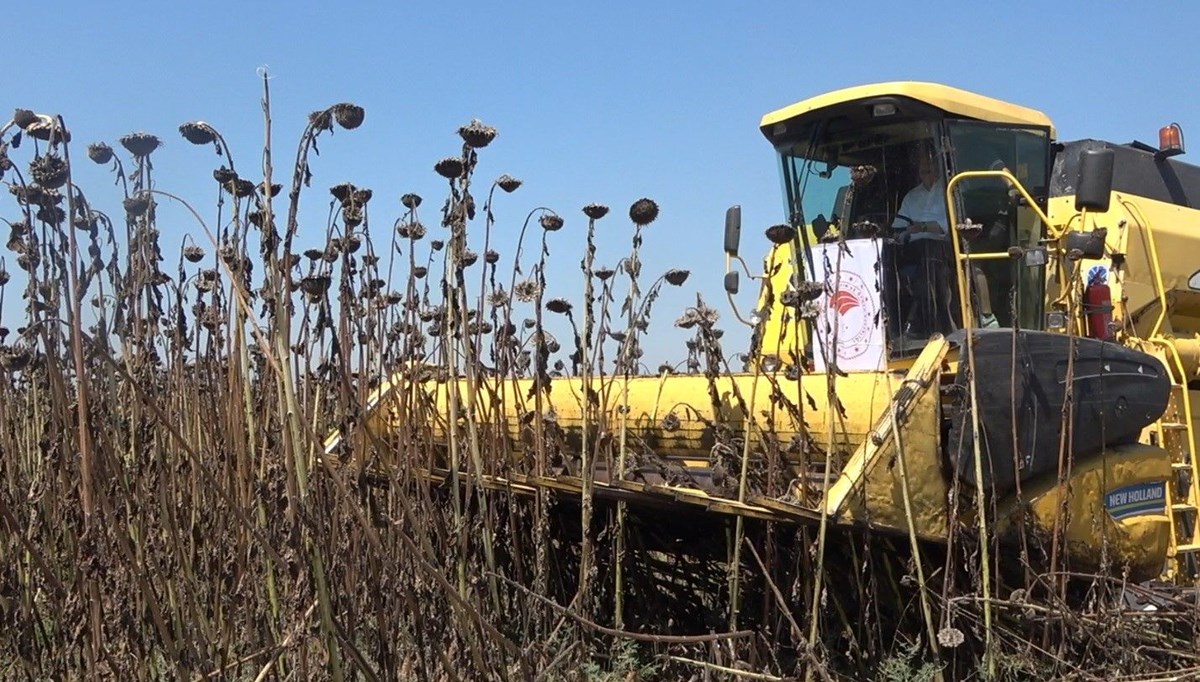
x: 594, y: 102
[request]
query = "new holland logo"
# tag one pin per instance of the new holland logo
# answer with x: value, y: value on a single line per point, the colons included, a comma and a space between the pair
x: 854, y: 312
x: 1139, y: 499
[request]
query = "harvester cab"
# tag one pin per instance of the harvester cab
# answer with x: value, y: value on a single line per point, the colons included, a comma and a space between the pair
x: 865, y: 175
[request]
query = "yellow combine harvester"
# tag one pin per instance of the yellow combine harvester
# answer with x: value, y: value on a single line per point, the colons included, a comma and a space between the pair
x: 961, y: 316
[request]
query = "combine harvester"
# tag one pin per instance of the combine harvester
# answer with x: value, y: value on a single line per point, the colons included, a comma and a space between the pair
x: 1023, y: 350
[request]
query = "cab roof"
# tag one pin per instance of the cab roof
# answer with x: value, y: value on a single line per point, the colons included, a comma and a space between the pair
x: 953, y: 101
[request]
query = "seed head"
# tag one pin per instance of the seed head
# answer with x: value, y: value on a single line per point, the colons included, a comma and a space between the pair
x: 497, y: 299
x: 100, y: 153
x: 551, y: 222
x: 476, y: 134
x: 595, y: 211
x: 193, y: 253
x: 47, y: 127
x: 342, y: 192
x: 140, y: 145
x: 315, y: 285
x: 676, y: 277
x: 491, y: 257
x: 242, y: 188
x: 24, y: 118
x: 603, y: 274
x: 781, y: 234
x: 527, y: 290
x: 508, y: 183
x: 3, y: 277
x: 643, y: 212
x: 450, y: 167
x: 411, y: 201
x: 348, y: 115
x: 198, y: 132
x: 275, y: 189
x: 225, y: 177
x: 49, y: 171
x: 420, y: 271
x: 136, y: 206
x: 950, y: 637
x: 558, y: 305
x: 314, y: 254
x: 469, y: 257
x: 436, y: 244
x: 51, y: 214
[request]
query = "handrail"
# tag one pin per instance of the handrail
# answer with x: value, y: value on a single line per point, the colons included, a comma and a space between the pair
x: 964, y: 300
x: 1160, y: 289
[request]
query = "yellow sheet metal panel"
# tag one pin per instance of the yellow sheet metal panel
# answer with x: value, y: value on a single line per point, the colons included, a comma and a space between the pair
x: 1109, y: 511
x: 951, y: 100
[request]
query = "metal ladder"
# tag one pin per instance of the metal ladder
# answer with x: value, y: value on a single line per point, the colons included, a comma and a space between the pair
x: 1176, y: 433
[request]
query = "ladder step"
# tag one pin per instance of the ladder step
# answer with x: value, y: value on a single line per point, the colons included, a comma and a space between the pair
x: 1181, y: 466
x: 1183, y: 507
x: 1181, y: 549
x: 1174, y: 426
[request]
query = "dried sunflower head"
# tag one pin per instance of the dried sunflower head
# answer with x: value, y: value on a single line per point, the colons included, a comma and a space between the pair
x: 342, y: 191
x: 411, y: 201
x: 643, y: 212
x: 781, y: 234
x: 193, y: 253
x: 558, y: 305
x: 314, y: 254
x: 224, y: 176
x: 477, y: 135
x: 603, y: 274
x: 469, y: 257
x: 551, y: 222
x: 527, y: 290
x: 198, y: 132
x: 491, y: 257
x: 3, y: 277
x: 49, y: 171
x: 676, y: 277
x: 420, y: 271
x: 450, y: 167
x: 23, y: 118
x: 274, y: 190
x: 436, y: 244
x: 100, y: 153
x: 595, y: 211
x: 349, y: 115
x: 140, y: 145
x: 508, y: 183
x: 136, y: 206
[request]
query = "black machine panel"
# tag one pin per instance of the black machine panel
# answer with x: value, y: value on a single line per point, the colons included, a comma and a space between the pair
x: 1021, y: 390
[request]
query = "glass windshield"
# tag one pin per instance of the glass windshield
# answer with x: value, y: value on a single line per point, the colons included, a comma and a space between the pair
x: 834, y: 178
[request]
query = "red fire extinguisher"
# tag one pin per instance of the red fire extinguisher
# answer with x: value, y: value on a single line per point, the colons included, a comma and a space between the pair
x: 1097, y: 304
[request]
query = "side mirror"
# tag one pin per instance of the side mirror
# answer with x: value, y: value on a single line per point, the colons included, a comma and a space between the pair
x: 1094, y: 188
x: 733, y: 230
x: 731, y: 282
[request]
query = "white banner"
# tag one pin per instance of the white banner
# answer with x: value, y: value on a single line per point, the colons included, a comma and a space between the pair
x: 854, y: 311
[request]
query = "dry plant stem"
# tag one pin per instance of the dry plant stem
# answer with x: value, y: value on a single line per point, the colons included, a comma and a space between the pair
x: 293, y: 444
x: 85, y: 438
x: 739, y: 525
x: 980, y: 507
x: 743, y: 674
x: 831, y: 391
x: 914, y: 543
x: 636, y: 636
x: 797, y: 633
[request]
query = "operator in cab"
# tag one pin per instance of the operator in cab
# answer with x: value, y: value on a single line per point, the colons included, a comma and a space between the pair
x: 927, y: 258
